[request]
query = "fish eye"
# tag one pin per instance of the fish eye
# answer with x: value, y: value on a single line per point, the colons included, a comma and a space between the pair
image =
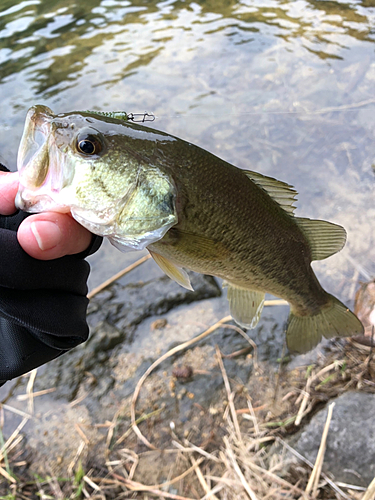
x: 88, y: 144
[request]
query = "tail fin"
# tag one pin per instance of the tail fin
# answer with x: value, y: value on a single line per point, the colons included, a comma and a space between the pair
x: 305, y: 332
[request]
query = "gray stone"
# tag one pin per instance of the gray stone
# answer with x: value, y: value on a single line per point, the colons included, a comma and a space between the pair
x: 350, y: 453
x: 124, y: 305
x: 113, y: 316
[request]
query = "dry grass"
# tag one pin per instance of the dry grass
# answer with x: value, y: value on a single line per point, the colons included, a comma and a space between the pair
x: 240, y: 463
x: 242, y: 466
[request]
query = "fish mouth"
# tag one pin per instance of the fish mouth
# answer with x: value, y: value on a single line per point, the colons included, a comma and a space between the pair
x: 37, y: 129
x: 39, y: 169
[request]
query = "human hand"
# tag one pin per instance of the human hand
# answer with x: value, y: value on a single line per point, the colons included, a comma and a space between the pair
x: 44, y: 236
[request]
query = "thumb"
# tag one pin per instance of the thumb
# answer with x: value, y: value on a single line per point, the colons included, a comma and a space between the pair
x: 51, y: 235
x: 8, y: 191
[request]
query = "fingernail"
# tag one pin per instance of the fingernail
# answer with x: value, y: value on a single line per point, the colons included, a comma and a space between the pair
x: 47, y: 234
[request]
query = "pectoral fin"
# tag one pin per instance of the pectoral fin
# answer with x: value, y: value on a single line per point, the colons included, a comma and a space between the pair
x: 245, y: 305
x: 174, y: 272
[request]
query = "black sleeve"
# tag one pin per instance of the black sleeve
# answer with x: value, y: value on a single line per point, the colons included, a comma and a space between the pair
x: 42, y: 303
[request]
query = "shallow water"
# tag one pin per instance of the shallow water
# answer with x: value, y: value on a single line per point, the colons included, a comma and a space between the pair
x: 282, y: 87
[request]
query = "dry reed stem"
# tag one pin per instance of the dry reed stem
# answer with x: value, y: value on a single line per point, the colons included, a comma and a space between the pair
x: 370, y: 492
x: 11, y: 446
x: 110, y: 436
x: 7, y: 476
x: 117, y: 276
x: 230, y: 395
x: 90, y: 482
x: 214, y: 490
x: 194, y: 448
x: 12, y: 437
x: 329, y: 481
x: 305, y: 394
x: 272, y: 476
x: 81, y: 433
x: 238, y: 471
x: 16, y: 411
x: 353, y: 487
x: 5, y: 449
x: 23, y: 397
x: 244, y: 411
x: 315, y: 474
x: 134, y: 458
x: 29, y: 390
x: 136, y: 486
x: 76, y: 457
x: 245, y: 474
x: 206, y: 488
x: 142, y: 418
x: 223, y: 479
x: 253, y: 418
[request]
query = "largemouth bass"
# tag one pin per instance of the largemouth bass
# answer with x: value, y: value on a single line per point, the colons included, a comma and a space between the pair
x: 143, y: 188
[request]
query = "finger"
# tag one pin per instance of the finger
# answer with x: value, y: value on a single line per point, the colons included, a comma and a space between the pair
x: 8, y: 190
x: 52, y: 235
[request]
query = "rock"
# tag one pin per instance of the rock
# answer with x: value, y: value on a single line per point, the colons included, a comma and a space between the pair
x: 101, y: 374
x: 350, y: 453
x: 51, y: 425
x: 113, y: 316
x: 132, y: 325
x: 127, y: 305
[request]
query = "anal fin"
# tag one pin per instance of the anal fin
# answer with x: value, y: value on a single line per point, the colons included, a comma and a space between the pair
x: 245, y: 305
x: 170, y: 269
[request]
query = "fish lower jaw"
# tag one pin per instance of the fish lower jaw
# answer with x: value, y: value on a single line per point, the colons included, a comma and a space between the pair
x: 39, y: 204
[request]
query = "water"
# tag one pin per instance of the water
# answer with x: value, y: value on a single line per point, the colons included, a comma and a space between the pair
x: 282, y: 87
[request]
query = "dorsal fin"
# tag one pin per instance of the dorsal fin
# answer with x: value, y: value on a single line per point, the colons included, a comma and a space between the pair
x: 281, y: 192
x: 324, y: 238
